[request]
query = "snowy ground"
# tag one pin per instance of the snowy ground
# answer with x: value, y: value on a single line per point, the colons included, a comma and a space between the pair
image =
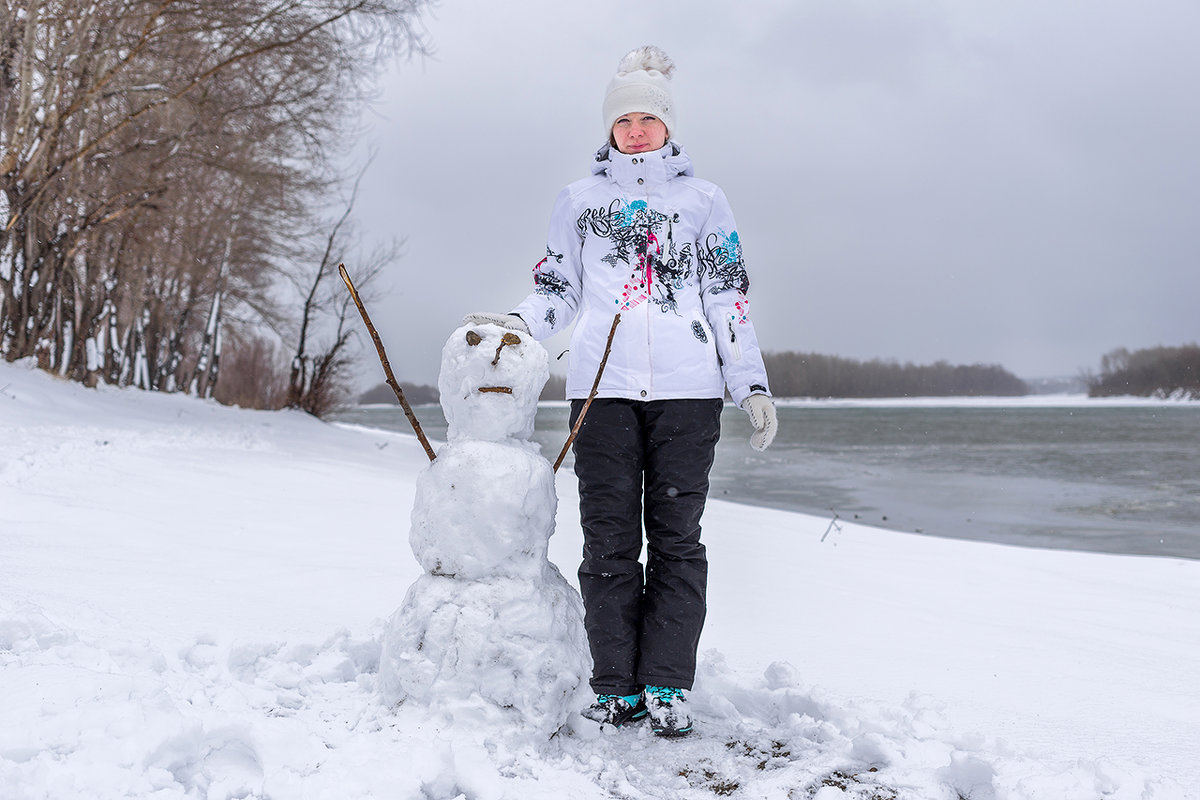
x: 192, y: 599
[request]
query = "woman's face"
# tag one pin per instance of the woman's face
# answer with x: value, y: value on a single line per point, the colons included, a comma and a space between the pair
x: 639, y: 133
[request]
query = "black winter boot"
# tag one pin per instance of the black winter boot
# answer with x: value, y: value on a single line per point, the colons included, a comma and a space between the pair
x: 668, y: 712
x: 615, y: 710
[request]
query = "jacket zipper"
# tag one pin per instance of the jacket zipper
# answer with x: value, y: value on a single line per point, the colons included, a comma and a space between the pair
x: 647, y: 264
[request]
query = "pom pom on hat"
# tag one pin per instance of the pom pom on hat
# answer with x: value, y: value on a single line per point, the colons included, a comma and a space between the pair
x: 646, y: 59
x: 642, y: 83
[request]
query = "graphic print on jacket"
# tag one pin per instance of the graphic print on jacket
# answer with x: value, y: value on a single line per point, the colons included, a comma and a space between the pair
x: 637, y: 233
x: 721, y: 258
x: 550, y: 282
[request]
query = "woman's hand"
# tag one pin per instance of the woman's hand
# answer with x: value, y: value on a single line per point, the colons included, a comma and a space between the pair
x: 510, y: 321
x: 762, y: 416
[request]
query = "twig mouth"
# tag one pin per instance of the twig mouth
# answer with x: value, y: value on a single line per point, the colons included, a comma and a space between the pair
x: 496, y: 389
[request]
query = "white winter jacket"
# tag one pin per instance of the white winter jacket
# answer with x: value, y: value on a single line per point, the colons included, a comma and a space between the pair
x: 645, y: 238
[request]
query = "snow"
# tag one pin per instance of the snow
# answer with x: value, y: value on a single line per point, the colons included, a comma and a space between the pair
x: 193, y: 603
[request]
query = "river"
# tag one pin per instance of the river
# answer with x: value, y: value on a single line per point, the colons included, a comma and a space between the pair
x: 1066, y: 473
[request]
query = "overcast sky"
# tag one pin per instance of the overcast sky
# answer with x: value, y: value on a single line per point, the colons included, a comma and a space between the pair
x: 1011, y: 182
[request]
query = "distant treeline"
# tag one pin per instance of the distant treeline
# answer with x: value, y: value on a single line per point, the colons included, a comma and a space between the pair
x: 814, y: 375
x: 415, y: 394
x: 1153, y: 372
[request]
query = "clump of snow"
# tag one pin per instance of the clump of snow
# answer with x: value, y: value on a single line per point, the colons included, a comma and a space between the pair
x: 193, y: 602
x: 491, y: 637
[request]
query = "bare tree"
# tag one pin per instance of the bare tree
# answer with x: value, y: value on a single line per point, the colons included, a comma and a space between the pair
x: 322, y: 356
x: 1150, y: 372
x: 157, y: 160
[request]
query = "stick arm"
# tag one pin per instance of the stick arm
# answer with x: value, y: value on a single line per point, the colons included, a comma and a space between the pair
x: 387, y: 368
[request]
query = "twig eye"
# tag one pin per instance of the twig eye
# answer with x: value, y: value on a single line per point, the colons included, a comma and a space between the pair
x: 505, y: 340
x: 473, y: 338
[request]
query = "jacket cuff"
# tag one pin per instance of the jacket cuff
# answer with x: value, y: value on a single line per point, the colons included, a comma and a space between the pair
x: 533, y: 319
x: 740, y: 394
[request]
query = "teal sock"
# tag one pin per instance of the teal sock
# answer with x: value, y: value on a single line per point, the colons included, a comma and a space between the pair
x: 632, y: 699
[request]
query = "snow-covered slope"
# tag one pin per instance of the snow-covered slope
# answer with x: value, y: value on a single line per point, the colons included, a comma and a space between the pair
x: 192, y: 598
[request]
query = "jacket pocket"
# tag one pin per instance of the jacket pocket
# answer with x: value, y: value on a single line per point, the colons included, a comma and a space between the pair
x: 704, y: 333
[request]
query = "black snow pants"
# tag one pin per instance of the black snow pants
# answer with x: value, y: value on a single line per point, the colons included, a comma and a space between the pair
x: 644, y: 627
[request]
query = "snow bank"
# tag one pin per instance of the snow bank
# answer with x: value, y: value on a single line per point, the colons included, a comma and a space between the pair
x: 192, y: 602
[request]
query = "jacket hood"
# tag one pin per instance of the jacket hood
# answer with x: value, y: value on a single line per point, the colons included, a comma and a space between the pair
x: 675, y: 160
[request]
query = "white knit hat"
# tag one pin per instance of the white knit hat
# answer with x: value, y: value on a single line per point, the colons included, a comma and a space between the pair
x: 642, y: 83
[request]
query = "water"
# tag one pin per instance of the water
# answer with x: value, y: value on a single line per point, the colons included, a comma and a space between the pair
x: 1106, y: 478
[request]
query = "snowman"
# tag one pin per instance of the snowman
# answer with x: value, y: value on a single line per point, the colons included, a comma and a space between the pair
x: 491, y: 634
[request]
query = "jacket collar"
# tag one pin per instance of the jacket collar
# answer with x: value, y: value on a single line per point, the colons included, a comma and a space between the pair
x: 655, y: 167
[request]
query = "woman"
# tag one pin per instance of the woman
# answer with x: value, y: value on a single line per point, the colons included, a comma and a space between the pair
x: 644, y: 238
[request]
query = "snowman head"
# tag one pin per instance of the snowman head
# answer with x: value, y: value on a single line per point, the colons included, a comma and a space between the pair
x: 490, y: 382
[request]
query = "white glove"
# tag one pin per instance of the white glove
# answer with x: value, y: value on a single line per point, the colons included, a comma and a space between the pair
x: 762, y: 416
x: 510, y: 321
